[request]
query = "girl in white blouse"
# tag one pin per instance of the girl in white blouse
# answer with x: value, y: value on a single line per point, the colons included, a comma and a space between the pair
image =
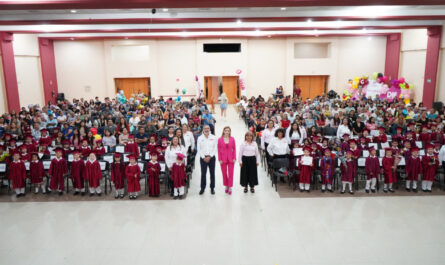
x: 295, y: 133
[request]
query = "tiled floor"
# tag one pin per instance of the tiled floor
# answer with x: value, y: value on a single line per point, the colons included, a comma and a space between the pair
x: 242, y: 229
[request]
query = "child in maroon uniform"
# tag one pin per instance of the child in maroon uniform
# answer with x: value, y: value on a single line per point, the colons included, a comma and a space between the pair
x: 30, y: 144
x: 372, y: 169
x: 132, y: 147
x: 66, y: 149
x: 430, y: 163
x: 178, y: 176
x: 425, y: 135
x: 151, y: 146
x: 12, y: 147
x: 17, y: 175
x: 413, y: 167
x: 306, y: 164
x: 37, y: 173
x: 153, y: 170
x: 44, y: 152
x: 389, y: 170
x: 348, y: 172
x: 93, y: 174
x: 344, y: 147
x: 133, y: 174
x: 78, y: 173
x: 381, y: 138
x: 327, y: 167
x: 57, y: 171
x: 24, y: 155
x: 118, y: 175
x: 99, y: 150
x: 45, y: 138
x: 85, y: 149
x: 356, y: 153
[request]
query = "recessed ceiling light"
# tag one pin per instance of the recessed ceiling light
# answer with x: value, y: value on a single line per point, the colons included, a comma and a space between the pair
x: 364, y: 29
x: 257, y: 30
x: 269, y: 36
x: 239, y: 21
x: 165, y: 9
x: 73, y: 11
x: 71, y: 38
x: 283, y: 8
x: 309, y: 20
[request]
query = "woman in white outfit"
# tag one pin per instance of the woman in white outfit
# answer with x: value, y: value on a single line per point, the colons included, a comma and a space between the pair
x: 172, y: 151
x: 343, y: 129
x: 295, y: 133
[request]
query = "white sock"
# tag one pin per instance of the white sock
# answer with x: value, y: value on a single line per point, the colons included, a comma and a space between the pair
x: 22, y: 190
x: 350, y: 186
x: 37, y: 189
x: 43, y: 188
x: 414, y: 184
x: 98, y: 190
x: 385, y: 186
x: 329, y: 187
x: 408, y: 184
x: 390, y: 186
x: 373, y: 183
x: 92, y: 190
x: 368, y: 184
x: 307, y: 186
x: 323, y: 187
x: 181, y: 190
x: 301, y: 186
x: 343, y: 186
x: 17, y: 191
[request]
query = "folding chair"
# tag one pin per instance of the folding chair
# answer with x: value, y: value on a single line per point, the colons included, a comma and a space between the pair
x: 4, y: 175
x: 280, y: 166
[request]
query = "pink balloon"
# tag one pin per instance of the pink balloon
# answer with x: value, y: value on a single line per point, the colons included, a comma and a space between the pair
x: 384, y: 78
x: 238, y: 71
x: 401, y: 80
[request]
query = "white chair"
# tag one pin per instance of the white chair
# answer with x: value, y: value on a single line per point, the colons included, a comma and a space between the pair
x: 365, y: 153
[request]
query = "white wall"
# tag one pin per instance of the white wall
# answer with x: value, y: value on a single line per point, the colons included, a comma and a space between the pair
x: 28, y: 69
x: 412, y: 59
x: 3, y: 102
x: 265, y: 64
x: 440, y: 89
x: 80, y: 67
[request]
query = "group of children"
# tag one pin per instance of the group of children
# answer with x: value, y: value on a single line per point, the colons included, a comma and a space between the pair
x: 349, y: 152
x: 89, y: 172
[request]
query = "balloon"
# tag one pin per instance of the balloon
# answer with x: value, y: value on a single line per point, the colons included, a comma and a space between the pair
x: 178, y: 99
x: 97, y: 137
x: 406, y: 94
x: 238, y: 71
x: 375, y: 75
x: 384, y: 78
x: 402, y: 80
x: 380, y: 75
x: 196, y: 78
x: 356, y: 80
x: 184, y: 91
x: 355, y: 86
x: 407, y: 101
x: 402, y: 86
x: 93, y: 131
x: 384, y: 89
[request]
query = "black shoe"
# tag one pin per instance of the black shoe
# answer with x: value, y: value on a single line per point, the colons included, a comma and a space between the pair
x: 385, y: 191
x: 23, y: 194
x: 245, y: 190
x: 48, y: 192
x: 36, y: 192
x: 391, y: 190
x: 180, y: 197
x: 130, y: 197
x: 60, y: 193
x: 408, y: 189
x: 99, y: 194
x: 18, y: 195
x: 135, y: 197
x: 351, y: 192
x: 367, y: 191
x: 331, y: 190
x: 373, y: 191
x: 91, y: 194
x: 301, y: 190
x: 252, y: 190
x: 116, y: 196
x: 82, y: 193
x: 121, y: 196
x: 282, y: 180
x: 323, y: 191
x: 76, y: 193
x: 415, y: 190
x: 423, y: 190
x: 427, y: 191
x: 175, y: 198
x: 308, y: 191
x: 212, y: 191
x: 201, y: 192
x: 342, y: 192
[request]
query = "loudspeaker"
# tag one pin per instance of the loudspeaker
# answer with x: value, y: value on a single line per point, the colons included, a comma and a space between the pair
x: 438, y: 105
x: 61, y: 96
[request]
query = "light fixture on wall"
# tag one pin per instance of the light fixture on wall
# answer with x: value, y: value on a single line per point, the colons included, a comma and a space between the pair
x: 73, y: 11
x: 309, y: 20
x: 165, y: 10
x: 239, y: 22
x: 283, y: 9
x: 71, y: 38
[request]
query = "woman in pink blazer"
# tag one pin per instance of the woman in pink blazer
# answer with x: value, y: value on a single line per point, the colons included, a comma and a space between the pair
x: 227, y: 157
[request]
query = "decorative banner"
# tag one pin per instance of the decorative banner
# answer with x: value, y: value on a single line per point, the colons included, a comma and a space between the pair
x: 199, y: 92
x: 373, y: 89
x: 241, y: 82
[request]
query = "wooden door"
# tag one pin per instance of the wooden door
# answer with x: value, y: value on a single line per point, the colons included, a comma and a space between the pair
x: 231, y: 88
x: 132, y: 86
x: 311, y: 85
